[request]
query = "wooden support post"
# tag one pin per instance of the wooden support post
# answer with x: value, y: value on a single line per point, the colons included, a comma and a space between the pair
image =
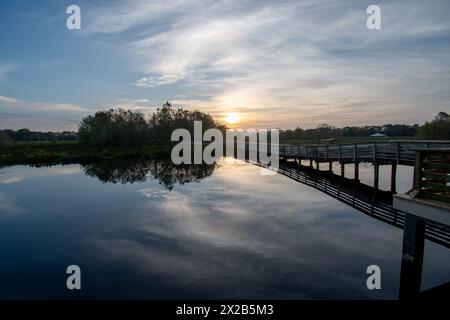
x: 417, y: 183
x: 394, y: 178
x: 316, y: 156
x: 412, y: 257
x: 355, y: 159
x: 376, y: 176
x: 374, y: 152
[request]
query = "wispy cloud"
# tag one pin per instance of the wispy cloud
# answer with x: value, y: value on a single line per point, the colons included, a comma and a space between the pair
x: 5, y: 69
x: 143, y: 105
x: 127, y: 14
x: 17, y: 113
x: 18, y: 104
x: 293, y: 62
x: 283, y: 63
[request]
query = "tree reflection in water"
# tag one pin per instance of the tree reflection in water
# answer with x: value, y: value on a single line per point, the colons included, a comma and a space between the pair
x: 167, y: 173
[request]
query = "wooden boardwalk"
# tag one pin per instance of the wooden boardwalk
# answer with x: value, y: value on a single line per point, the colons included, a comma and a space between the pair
x: 423, y: 213
x: 398, y: 152
x: 378, y: 153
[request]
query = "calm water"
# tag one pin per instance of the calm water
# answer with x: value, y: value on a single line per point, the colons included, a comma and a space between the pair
x: 154, y: 231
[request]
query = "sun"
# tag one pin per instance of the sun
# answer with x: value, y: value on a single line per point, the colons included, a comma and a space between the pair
x: 232, y: 118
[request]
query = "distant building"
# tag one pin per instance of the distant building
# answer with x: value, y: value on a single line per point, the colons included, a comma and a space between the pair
x: 378, y: 135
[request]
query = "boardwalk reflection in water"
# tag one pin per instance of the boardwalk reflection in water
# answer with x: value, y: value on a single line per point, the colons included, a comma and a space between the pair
x: 373, y: 202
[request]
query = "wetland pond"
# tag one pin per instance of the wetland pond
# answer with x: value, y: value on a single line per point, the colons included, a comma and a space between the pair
x: 152, y: 230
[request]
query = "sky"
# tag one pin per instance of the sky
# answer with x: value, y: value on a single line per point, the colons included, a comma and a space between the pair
x: 266, y: 63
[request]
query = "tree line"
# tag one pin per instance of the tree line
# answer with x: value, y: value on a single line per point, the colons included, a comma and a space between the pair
x: 8, y: 136
x: 437, y: 129
x: 326, y: 131
x: 118, y: 127
x: 129, y: 128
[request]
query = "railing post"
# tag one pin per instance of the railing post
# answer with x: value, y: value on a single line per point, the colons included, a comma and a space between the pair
x: 374, y: 152
x: 418, y: 172
x: 412, y: 257
x: 355, y: 159
x: 376, y: 176
x: 398, y: 152
x: 394, y: 177
x: 316, y: 157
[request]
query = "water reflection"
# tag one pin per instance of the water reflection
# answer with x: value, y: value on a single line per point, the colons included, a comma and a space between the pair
x: 167, y: 173
x: 12, y: 175
x: 237, y: 234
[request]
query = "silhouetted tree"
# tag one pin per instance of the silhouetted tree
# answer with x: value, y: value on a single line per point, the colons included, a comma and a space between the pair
x: 438, y: 129
x: 124, y: 128
x: 114, y: 127
x: 4, y: 139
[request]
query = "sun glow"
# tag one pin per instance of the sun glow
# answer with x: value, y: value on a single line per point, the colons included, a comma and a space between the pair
x: 232, y: 118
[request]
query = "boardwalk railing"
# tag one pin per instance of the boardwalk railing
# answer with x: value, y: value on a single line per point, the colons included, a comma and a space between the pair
x: 401, y: 152
x: 432, y: 175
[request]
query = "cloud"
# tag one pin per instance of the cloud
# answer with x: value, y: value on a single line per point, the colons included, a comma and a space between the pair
x: 293, y: 62
x: 133, y: 13
x: 13, y: 103
x: 5, y: 69
x: 153, y: 81
x: 142, y: 105
x: 41, y: 116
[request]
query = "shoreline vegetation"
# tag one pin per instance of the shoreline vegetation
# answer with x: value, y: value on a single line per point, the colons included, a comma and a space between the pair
x: 68, y: 153
x: 118, y: 134
x: 113, y: 134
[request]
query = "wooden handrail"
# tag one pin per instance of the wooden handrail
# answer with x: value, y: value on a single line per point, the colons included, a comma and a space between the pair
x: 381, y: 152
x: 432, y: 175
